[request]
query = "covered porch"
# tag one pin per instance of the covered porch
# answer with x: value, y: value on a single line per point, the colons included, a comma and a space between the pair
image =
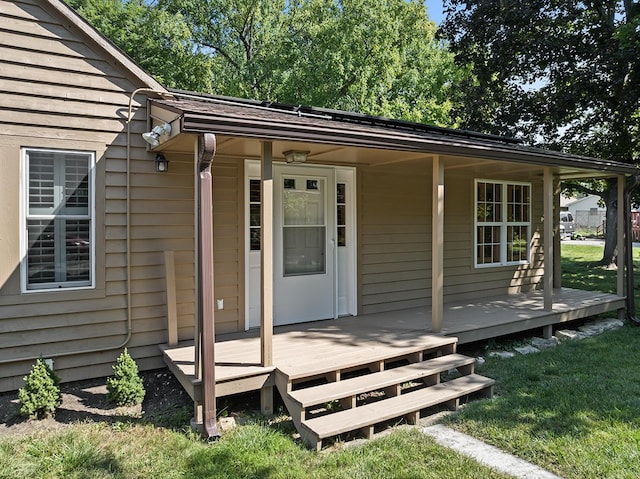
x: 428, y: 268
x: 343, y: 343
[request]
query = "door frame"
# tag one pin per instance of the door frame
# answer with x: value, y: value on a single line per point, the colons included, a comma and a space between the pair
x: 345, y: 272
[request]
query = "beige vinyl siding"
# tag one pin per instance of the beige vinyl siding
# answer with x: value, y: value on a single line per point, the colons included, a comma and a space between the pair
x: 228, y: 243
x: 462, y: 281
x: 62, y: 91
x: 395, y: 238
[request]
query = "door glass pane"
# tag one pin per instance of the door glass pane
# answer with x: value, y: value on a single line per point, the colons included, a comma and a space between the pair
x: 304, y: 228
x: 304, y: 249
x: 341, y: 210
x: 254, y: 214
x: 304, y: 206
x: 255, y: 207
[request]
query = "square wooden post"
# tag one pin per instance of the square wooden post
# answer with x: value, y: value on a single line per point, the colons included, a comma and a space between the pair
x: 266, y: 259
x: 266, y: 264
x: 620, y: 237
x: 437, y: 245
x: 548, y: 239
x: 557, y: 267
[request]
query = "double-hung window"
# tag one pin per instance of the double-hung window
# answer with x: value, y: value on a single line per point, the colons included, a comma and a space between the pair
x: 58, y: 216
x: 502, y: 223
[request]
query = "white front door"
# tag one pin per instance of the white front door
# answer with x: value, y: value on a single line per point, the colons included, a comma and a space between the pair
x: 314, y: 243
x: 304, y: 244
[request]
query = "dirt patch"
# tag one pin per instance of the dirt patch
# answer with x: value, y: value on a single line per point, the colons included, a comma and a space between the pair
x: 165, y: 403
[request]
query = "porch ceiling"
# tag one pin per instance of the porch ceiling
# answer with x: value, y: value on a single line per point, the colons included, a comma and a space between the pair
x: 325, y: 154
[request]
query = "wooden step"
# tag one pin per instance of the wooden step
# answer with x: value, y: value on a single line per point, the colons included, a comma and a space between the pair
x: 313, y: 431
x: 350, y: 388
x: 376, y: 354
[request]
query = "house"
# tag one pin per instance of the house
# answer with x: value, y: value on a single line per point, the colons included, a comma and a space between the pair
x: 588, y: 212
x: 251, y: 245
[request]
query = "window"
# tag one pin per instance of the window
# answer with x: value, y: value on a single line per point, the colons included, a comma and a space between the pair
x: 341, y: 220
x: 503, y: 223
x: 254, y: 215
x: 58, y: 219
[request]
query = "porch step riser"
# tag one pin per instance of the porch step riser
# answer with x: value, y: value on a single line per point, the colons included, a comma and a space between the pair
x: 382, y: 390
x: 364, y: 418
x: 334, y: 365
x: 427, y: 371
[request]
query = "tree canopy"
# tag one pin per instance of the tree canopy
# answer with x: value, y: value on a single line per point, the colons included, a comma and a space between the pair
x: 159, y: 42
x: 370, y: 56
x: 560, y: 73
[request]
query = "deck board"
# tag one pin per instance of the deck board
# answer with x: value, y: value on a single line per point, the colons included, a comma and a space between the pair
x: 304, y: 346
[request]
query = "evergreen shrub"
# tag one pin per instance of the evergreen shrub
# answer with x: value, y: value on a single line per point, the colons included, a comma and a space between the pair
x: 41, y: 394
x: 125, y: 387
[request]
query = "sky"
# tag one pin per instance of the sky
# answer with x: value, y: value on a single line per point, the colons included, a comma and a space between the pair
x: 434, y: 9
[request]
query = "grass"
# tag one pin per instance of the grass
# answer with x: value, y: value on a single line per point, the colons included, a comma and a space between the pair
x: 97, y: 450
x: 574, y: 410
x: 580, y: 270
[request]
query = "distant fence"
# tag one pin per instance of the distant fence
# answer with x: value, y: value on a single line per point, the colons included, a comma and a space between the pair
x: 596, y: 221
x: 635, y: 225
x: 589, y: 219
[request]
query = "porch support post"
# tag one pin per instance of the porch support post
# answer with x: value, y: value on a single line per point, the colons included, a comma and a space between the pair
x: 548, y: 238
x: 266, y: 264
x: 266, y: 261
x: 206, y: 152
x: 620, y: 239
x: 557, y: 268
x: 437, y: 245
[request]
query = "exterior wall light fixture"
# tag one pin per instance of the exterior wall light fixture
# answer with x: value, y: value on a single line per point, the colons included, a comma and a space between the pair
x: 162, y: 164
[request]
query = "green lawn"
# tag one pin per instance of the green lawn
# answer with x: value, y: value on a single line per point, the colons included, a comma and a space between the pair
x: 250, y: 451
x: 574, y: 410
x: 581, y: 271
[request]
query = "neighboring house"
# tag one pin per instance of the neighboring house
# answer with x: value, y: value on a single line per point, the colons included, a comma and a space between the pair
x: 403, y: 236
x: 587, y: 212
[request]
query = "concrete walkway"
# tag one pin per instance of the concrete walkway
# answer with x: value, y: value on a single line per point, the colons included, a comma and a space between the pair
x: 485, y: 454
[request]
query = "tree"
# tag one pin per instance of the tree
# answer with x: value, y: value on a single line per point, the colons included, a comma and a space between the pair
x: 563, y: 71
x: 158, y: 41
x: 368, y: 56
x: 40, y: 396
x: 125, y: 387
x: 374, y: 57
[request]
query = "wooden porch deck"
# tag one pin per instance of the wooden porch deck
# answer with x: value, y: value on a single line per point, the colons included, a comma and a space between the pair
x: 303, y: 347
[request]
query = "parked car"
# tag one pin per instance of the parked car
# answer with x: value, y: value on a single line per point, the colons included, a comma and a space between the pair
x: 567, y: 225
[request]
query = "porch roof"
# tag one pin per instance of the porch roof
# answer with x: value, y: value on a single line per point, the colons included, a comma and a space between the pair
x: 274, y: 121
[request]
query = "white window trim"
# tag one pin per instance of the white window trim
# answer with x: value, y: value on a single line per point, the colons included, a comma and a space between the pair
x: 24, y: 173
x: 502, y: 224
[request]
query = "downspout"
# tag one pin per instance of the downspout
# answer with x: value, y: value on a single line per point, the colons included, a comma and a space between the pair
x: 127, y: 338
x: 628, y: 253
x: 206, y: 313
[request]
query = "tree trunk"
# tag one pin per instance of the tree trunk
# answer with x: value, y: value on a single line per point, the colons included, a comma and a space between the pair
x: 610, y: 198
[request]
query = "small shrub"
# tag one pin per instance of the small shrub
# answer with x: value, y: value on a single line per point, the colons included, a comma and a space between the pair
x: 41, y: 394
x: 125, y: 388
